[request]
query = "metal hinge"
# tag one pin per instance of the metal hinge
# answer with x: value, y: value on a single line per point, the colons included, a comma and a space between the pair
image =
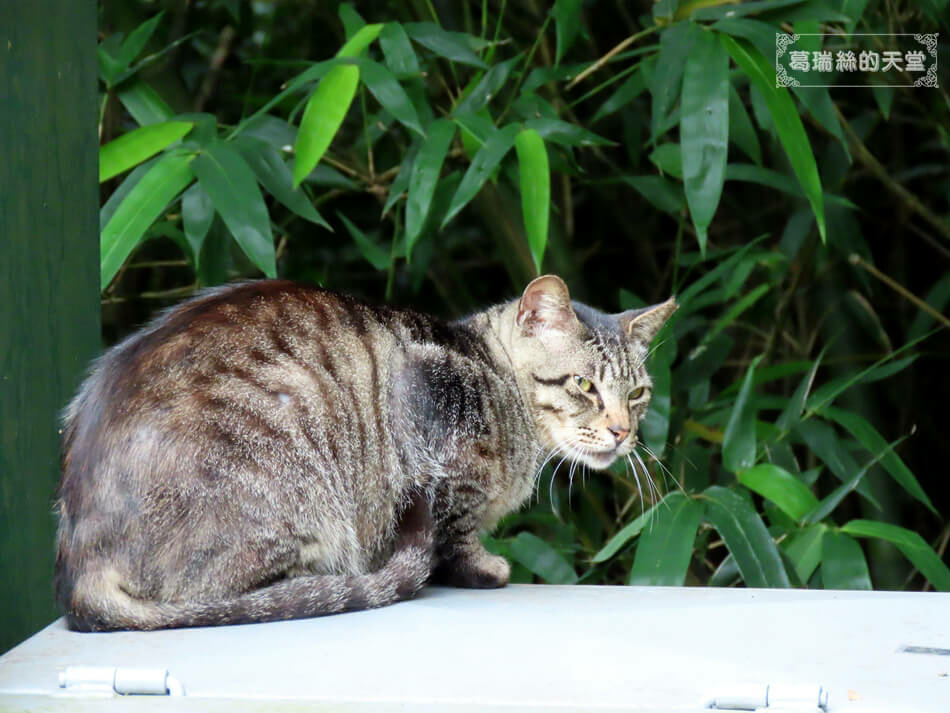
x: 795, y: 699
x: 122, y: 680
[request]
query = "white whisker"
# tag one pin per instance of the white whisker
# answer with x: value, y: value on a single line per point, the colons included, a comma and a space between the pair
x: 666, y: 471
x: 636, y: 478
x: 654, y: 493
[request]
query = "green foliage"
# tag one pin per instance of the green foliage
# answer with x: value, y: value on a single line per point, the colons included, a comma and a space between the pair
x: 647, y: 153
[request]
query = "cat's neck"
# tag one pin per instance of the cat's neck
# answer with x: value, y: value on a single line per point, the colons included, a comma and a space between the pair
x: 494, y: 326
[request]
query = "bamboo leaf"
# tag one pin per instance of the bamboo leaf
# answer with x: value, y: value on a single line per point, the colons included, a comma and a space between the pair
x: 817, y: 100
x: 539, y: 76
x: 726, y: 574
x: 141, y: 207
x: 669, y: 159
x: 688, y: 298
x: 834, y: 498
x: 937, y: 297
x: 143, y: 102
x: 655, y: 427
x: 426, y: 170
x: 665, y: 548
x: 475, y: 130
x: 397, y: 49
x: 763, y: 176
x: 627, y: 533
x: 804, y: 548
x: 390, y: 94
x: 197, y: 215
x: 565, y: 133
x: 483, y: 165
x: 662, y: 193
x: 788, y: 124
x: 374, y: 254
x: 401, y: 182
x: 740, y: 10
x: 874, y: 442
x: 276, y: 177
x: 704, y: 127
x: 737, y: 309
x: 153, y: 58
x: 118, y: 195
x: 664, y: 10
x: 842, y: 562
x: 489, y: 85
x: 314, y: 73
x: 632, y: 87
x: 822, y: 440
x: 231, y: 185
x: 542, y: 559
x: 134, y: 147
x: 746, y: 538
x: 535, y: 191
x: 827, y: 393
x: 351, y: 19
x: 328, y: 177
x: 215, y: 258
x: 453, y: 46
x: 323, y: 116
x: 759, y: 34
x: 567, y: 23
x: 854, y: 9
x: 360, y: 41
x: 133, y: 45
x: 911, y: 545
x: 792, y: 413
x: 741, y: 131
x: 675, y: 44
x: 478, y: 126
x: 738, y: 444
x: 781, y: 487
x: 701, y: 363
x: 109, y: 67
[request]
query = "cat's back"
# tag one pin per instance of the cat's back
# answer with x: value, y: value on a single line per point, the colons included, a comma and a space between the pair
x: 251, y: 329
x: 247, y: 372
x: 252, y: 332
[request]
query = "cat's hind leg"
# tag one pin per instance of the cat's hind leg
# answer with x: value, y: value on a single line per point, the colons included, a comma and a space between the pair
x: 96, y: 599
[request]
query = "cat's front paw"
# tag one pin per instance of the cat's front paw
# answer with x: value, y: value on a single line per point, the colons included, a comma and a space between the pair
x: 484, y: 571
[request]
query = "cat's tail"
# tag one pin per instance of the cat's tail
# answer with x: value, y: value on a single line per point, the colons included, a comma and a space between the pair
x: 99, y: 603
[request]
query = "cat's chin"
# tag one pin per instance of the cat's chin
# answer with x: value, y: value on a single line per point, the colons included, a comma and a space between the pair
x: 599, y: 460
x: 595, y: 459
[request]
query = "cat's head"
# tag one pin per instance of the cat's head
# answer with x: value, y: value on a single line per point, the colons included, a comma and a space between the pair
x: 584, y: 370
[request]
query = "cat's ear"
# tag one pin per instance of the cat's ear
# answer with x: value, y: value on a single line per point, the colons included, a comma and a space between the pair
x: 644, y: 323
x: 545, y: 306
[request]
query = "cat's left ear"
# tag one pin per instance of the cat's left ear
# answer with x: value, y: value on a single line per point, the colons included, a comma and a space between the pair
x: 644, y: 323
x: 545, y: 306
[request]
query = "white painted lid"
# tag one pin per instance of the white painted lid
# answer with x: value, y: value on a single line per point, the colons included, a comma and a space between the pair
x: 526, y: 648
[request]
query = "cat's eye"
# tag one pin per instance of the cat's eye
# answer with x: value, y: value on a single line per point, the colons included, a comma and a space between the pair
x: 636, y: 393
x: 583, y: 383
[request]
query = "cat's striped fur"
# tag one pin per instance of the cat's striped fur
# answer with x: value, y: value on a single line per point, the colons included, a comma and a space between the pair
x: 272, y: 451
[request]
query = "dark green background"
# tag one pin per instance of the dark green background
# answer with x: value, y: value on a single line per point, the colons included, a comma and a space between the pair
x: 49, y: 296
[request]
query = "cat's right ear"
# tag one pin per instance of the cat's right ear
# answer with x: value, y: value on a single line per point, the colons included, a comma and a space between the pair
x: 545, y: 306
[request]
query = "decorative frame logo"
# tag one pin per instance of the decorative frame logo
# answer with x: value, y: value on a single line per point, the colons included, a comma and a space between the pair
x: 912, y: 58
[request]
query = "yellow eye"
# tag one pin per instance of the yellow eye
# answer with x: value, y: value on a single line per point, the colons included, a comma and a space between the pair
x: 583, y: 384
x: 636, y: 393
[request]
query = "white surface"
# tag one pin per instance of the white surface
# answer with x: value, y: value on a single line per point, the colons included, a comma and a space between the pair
x: 527, y: 648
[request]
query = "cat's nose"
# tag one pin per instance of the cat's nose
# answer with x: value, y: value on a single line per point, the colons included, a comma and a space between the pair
x: 620, y: 433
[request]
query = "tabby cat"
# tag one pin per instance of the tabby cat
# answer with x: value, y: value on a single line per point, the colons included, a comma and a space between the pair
x: 273, y: 451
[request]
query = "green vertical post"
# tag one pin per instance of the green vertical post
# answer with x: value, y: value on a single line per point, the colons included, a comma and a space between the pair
x: 49, y: 279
